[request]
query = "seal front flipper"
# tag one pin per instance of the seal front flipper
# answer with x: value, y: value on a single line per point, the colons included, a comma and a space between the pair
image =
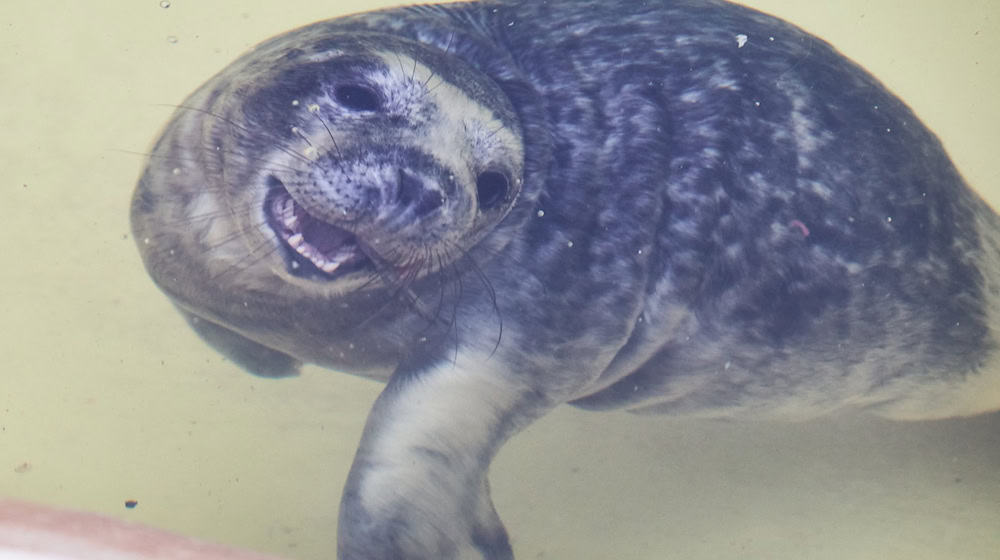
x: 418, y: 487
x: 249, y: 355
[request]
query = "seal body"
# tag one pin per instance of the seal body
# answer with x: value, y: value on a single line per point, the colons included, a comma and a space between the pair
x: 680, y: 207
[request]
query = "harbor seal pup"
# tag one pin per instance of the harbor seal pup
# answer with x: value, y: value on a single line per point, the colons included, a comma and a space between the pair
x: 680, y: 207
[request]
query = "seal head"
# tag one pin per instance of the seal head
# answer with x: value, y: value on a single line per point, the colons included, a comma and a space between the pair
x: 385, y: 167
x: 341, y: 167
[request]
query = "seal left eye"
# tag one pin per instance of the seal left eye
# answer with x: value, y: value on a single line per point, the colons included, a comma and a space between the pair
x: 357, y: 98
x: 491, y: 187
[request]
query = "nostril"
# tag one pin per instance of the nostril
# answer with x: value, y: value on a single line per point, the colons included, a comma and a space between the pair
x: 411, y: 192
x: 429, y: 201
x: 408, y: 189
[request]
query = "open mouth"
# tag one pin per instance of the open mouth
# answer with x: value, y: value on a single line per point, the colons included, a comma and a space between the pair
x: 312, y: 246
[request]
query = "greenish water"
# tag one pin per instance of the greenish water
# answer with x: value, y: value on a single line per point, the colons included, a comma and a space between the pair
x: 107, y: 396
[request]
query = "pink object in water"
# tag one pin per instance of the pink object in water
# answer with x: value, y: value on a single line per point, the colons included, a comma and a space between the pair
x: 802, y: 227
x: 34, y: 532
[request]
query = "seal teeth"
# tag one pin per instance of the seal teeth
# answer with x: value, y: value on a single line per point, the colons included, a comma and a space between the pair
x: 323, y: 262
x: 329, y: 267
x: 288, y: 216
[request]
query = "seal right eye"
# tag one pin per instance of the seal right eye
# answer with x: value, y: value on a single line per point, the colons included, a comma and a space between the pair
x: 491, y: 186
x: 357, y: 97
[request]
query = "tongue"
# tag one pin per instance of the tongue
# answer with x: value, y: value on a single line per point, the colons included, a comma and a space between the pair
x: 325, y: 246
x: 324, y: 237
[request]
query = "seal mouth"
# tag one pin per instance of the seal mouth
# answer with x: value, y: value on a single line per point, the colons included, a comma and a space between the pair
x: 312, y: 247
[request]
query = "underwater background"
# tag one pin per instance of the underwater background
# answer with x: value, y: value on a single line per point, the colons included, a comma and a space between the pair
x: 107, y: 396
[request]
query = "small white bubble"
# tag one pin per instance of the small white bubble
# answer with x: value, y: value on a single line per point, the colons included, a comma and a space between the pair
x: 295, y: 265
x: 164, y: 4
x: 771, y: 39
x: 888, y: 130
x: 741, y: 40
x: 176, y: 171
x: 246, y: 304
x: 569, y: 243
x: 351, y: 346
x: 640, y: 251
x: 727, y: 366
x: 295, y: 103
x: 888, y: 219
x: 145, y: 241
x: 540, y: 213
x: 756, y: 103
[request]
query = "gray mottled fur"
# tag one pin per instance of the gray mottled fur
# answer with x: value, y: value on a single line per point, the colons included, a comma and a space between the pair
x: 716, y: 214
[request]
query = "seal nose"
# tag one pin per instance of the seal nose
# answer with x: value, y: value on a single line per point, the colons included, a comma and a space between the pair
x: 412, y: 192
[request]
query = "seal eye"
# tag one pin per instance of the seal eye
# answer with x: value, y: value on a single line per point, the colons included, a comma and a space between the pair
x: 357, y: 98
x: 492, y: 188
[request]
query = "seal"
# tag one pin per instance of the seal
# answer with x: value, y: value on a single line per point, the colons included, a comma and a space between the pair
x: 681, y: 207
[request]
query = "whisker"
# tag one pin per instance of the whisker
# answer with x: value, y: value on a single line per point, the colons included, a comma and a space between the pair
x: 491, y: 134
x: 400, y: 61
x: 244, y: 129
x: 336, y: 147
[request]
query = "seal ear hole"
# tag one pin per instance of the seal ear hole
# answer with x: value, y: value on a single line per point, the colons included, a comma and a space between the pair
x: 491, y: 186
x: 357, y: 97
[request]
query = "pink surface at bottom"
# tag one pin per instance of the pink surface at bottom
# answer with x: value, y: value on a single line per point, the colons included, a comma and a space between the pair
x: 30, y: 531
